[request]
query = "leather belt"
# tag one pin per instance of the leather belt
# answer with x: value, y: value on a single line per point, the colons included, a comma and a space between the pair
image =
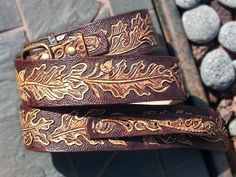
x: 130, y: 33
x: 99, y: 80
x: 76, y: 88
x: 71, y: 129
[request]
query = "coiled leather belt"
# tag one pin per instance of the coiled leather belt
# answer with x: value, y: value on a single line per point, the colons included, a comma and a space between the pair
x: 102, y: 87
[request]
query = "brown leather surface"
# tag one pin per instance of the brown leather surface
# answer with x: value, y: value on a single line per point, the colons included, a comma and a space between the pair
x: 57, y: 130
x: 75, y: 88
x: 99, y: 80
x: 126, y: 121
x: 129, y: 33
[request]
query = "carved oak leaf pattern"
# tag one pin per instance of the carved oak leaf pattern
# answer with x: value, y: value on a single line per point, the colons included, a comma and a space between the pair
x: 123, y: 38
x: 52, y: 84
x: 72, y: 130
x: 193, y: 125
x: 20, y: 77
x: 31, y: 129
x: 120, y: 79
x: 117, y: 142
x: 221, y: 132
x: 105, y: 126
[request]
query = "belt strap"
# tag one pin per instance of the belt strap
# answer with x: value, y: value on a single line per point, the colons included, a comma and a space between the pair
x: 65, y: 131
x: 126, y: 121
x: 130, y: 33
x: 100, y: 80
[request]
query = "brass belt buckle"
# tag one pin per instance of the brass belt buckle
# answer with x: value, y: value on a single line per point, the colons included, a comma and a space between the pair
x: 73, y: 45
x: 35, y: 46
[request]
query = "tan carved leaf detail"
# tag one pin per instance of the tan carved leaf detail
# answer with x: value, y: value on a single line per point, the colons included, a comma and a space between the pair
x: 118, y: 79
x: 72, y: 130
x: 52, y: 84
x: 118, y: 142
x: 193, y: 125
x: 20, y: 77
x: 121, y: 79
x: 124, y: 39
x: 31, y: 129
x: 104, y: 126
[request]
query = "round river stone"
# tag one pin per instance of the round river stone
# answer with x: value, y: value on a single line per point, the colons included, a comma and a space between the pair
x: 217, y: 70
x: 227, y: 36
x: 187, y: 4
x: 232, y: 127
x: 201, y: 24
x: 228, y: 3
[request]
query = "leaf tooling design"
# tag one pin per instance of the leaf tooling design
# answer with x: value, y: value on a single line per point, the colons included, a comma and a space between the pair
x: 32, y: 129
x: 72, y: 130
x: 124, y: 37
x: 51, y: 84
x: 119, y: 79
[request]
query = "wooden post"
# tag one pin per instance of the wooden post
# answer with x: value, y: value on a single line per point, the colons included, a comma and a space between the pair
x: 178, y: 45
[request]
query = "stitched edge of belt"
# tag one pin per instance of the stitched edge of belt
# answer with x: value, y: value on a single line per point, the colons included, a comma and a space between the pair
x: 57, y: 131
x: 99, y: 80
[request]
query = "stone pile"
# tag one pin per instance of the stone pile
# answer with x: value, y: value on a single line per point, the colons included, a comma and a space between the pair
x: 210, y: 26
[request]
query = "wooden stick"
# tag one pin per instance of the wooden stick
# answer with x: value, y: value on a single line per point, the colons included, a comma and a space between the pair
x: 178, y: 45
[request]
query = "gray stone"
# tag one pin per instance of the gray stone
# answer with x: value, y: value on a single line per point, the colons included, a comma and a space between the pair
x: 187, y: 4
x: 234, y: 63
x: 201, y: 24
x: 45, y: 16
x: 227, y: 36
x: 15, y: 159
x: 217, y: 70
x: 9, y: 15
x: 121, y: 6
x: 232, y: 127
x: 228, y: 3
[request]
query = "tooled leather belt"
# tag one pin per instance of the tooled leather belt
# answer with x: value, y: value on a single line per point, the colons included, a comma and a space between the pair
x: 104, y: 87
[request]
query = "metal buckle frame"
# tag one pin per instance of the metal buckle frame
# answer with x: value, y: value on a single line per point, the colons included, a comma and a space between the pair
x: 34, y: 46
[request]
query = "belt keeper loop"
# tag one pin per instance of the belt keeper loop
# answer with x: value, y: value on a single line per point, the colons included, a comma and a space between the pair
x: 81, y: 47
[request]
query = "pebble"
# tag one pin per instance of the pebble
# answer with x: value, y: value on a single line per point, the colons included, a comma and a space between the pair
x: 217, y: 70
x: 186, y: 4
x: 227, y: 36
x: 223, y: 12
x: 232, y: 127
x: 234, y: 63
x: 234, y: 105
x: 228, y: 3
x: 201, y: 24
x: 225, y: 109
x: 199, y: 51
